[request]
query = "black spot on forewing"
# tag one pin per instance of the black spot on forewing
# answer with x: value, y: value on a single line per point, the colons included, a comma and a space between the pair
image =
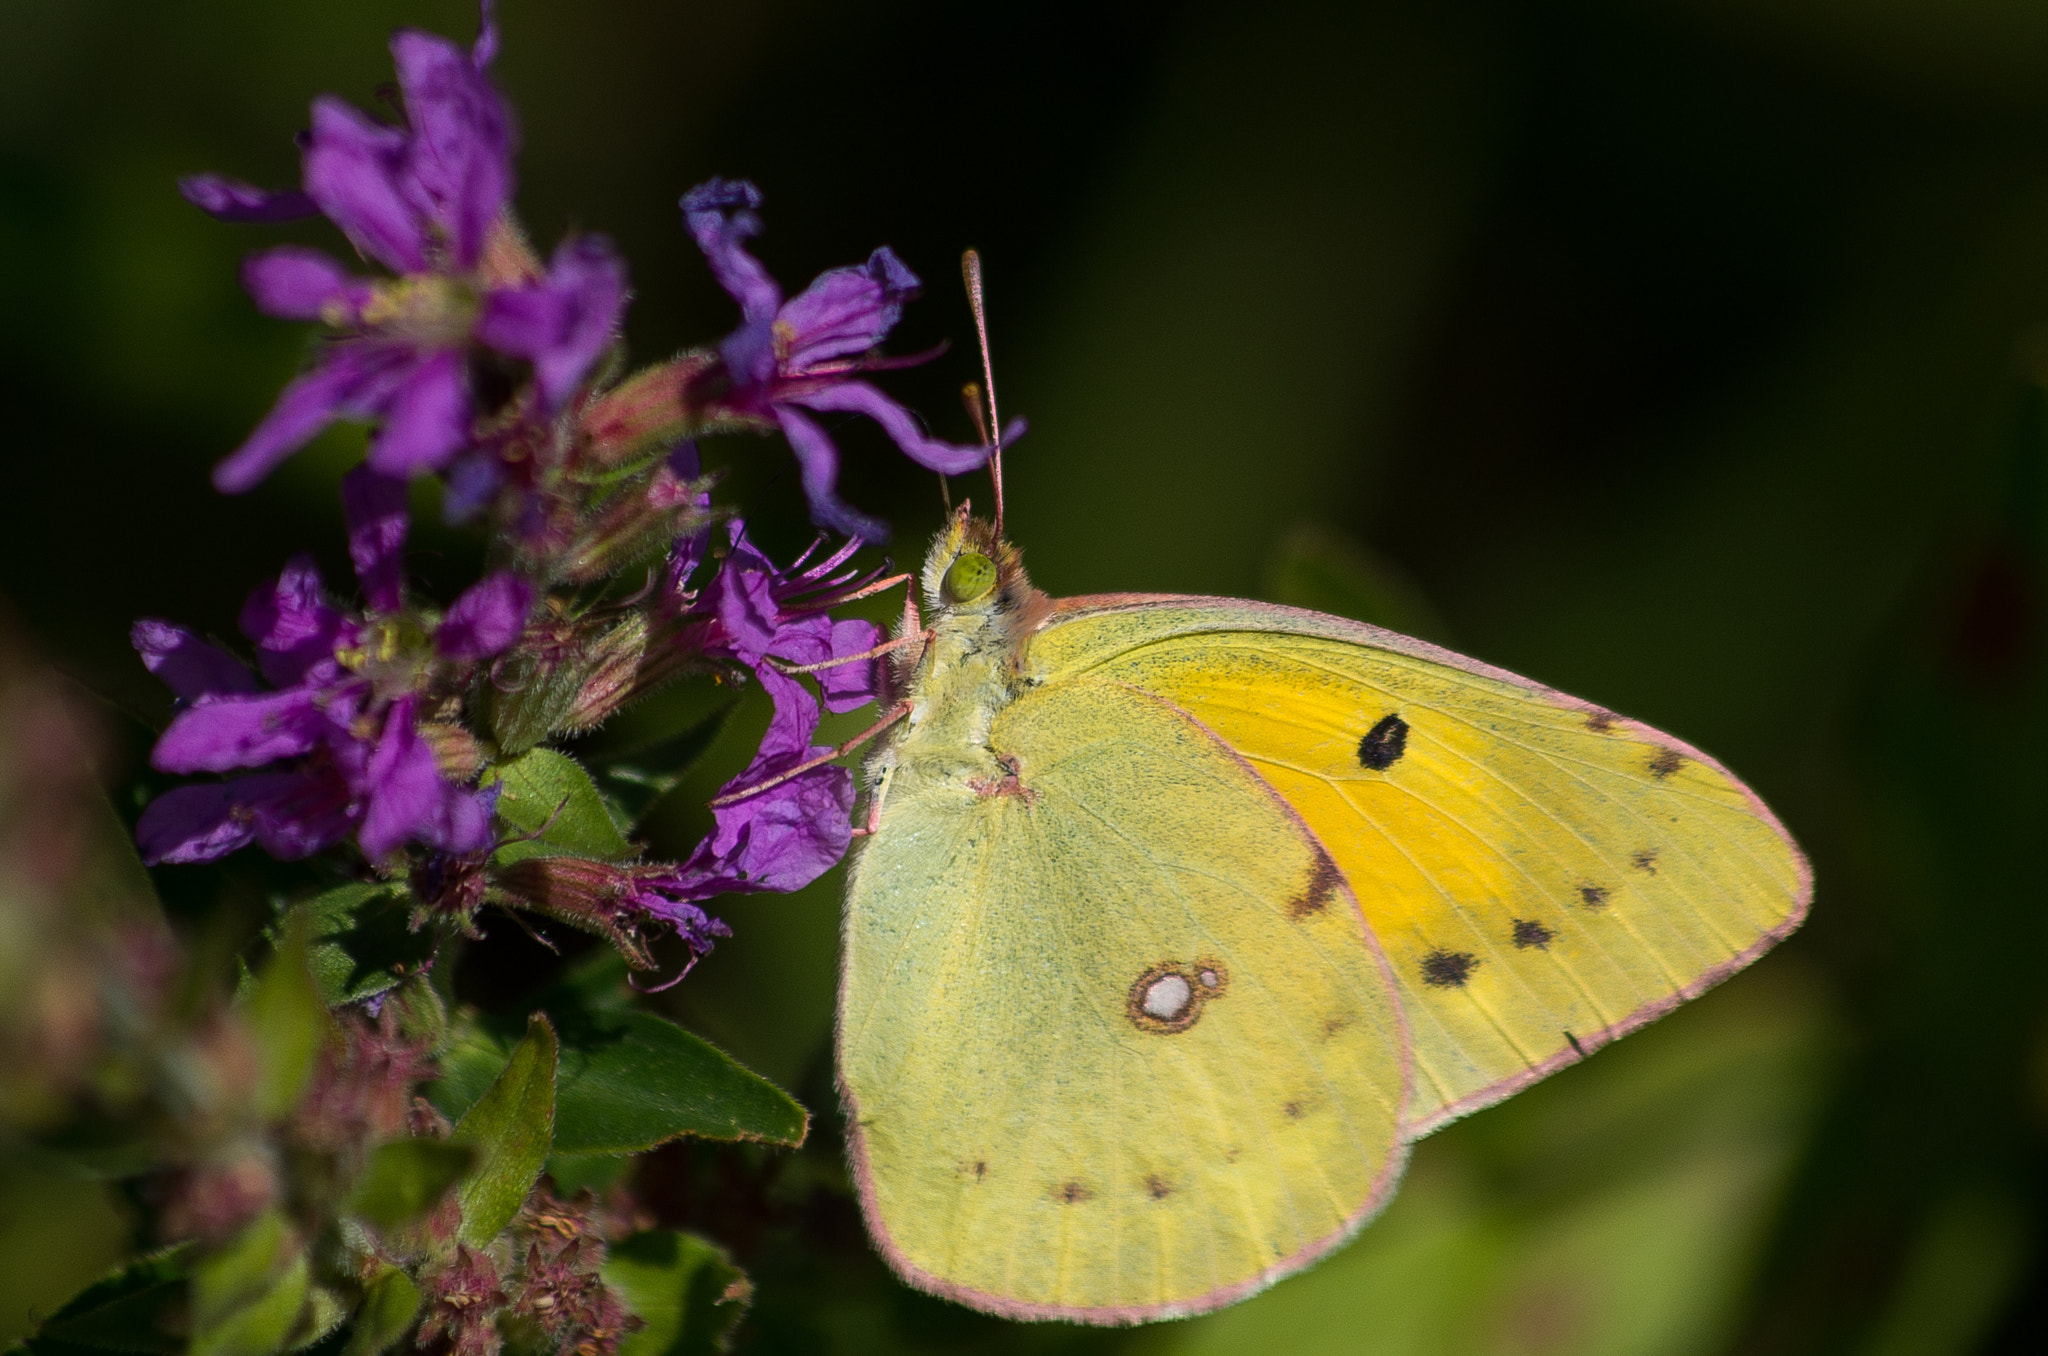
x: 1384, y: 743
x: 1529, y: 932
x: 1593, y: 896
x: 1665, y: 762
x: 1315, y: 892
x: 1448, y: 969
x: 1645, y: 860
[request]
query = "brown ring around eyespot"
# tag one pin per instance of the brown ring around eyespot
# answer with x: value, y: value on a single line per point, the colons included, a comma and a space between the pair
x: 1168, y: 997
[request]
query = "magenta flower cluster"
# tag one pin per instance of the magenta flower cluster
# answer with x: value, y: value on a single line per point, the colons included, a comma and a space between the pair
x: 369, y: 725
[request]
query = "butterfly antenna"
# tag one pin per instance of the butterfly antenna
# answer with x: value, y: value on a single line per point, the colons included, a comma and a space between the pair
x: 970, y: 269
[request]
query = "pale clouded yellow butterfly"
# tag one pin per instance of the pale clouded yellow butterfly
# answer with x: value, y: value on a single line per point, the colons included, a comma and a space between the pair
x: 1182, y: 917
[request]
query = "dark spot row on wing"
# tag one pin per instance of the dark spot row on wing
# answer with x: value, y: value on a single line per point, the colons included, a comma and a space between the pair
x: 1593, y: 896
x: 1448, y: 969
x: 1529, y: 932
x: 1645, y: 860
x: 1666, y: 762
x: 1315, y: 892
x: 1384, y: 743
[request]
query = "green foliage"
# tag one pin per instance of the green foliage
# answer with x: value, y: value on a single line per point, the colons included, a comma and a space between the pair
x: 686, y: 1290
x: 135, y: 1309
x: 362, y: 943
x: 250, y: 1298
x: 628, y: 1080
x: 284, y: 1011
x: 389, y: 1303
x: 549, y: 795
x: 403, y: 1180
x: 512, y: 1126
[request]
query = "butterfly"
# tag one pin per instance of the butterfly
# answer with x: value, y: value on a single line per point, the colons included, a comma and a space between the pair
x: 1179, y: 919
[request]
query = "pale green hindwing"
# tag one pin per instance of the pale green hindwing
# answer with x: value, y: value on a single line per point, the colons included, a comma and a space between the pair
x: 1113, y: 1038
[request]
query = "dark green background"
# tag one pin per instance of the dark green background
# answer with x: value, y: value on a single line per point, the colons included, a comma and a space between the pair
x: 1679, y: 354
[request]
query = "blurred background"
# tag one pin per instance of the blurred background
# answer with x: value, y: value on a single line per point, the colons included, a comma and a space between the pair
x: 1682, y: 354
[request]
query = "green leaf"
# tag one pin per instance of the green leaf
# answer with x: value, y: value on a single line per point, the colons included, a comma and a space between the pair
x: 686, y: 1290
x: 512, y: 1126
x: 361, y: 941
x: 250, y: 1298
x: 240, y: 1271
x: 326, y: 1310
x: 266, y: 1325
x: 285, y: 1013
x: 403, y: 1181
x: 550, y: 795
x: 389, y: 1303
x: 628, y: 1081
x: 633, y: 1082
x: 134, y: 1309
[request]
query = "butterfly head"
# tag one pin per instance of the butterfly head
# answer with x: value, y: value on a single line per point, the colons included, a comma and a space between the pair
x: 971, y: 571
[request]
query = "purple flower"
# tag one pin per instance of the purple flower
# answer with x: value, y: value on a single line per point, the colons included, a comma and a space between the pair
x: 790, y: 833
x: 337, y: 732
x: 788, y: 360
x: 423, y: 200
x: 752, y: 612
x: 786, y: 836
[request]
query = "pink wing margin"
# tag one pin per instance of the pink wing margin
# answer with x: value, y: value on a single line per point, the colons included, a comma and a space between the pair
x: 1242, y: 615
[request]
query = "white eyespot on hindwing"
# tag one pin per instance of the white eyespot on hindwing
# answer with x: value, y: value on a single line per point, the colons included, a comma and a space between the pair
x: 1169, y: 997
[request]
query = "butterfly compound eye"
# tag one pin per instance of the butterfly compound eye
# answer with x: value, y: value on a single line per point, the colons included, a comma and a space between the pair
x: 971, y: 575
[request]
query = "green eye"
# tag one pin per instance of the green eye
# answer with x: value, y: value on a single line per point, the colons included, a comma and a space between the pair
x: 970, y: 575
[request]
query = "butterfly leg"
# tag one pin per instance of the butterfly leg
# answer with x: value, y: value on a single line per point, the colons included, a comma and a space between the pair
x: 889, y: 717
x: 875, y: 799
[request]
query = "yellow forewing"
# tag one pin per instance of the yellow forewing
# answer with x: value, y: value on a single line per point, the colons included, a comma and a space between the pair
x: 1542, y: 875
x: 1033, y: 1139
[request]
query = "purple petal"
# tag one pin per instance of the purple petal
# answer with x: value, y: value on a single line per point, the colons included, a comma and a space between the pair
x: 294, y: 629
x: 192, y: 824
x: 296, y: 814
x: 373, y: 506
x: 233, y: 200
x: 352, y: 379
x: 817, y: 461
x: 564, y: 323
x: 486, y: 619
x: 426, y: 421
x: 231, y: 732
x: 485, y: 50
x: 190, y: 667
x: 354, y: 171
x: 468, y: 484
x: 787, y: 741
x: 859, y: 397
x: 407, y: 799
x: 295, y: 283
x: 742, y: 597
x: 857, y: 683
x: 459, y: 163
x: 721, y: 218
x: 846, y: 310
